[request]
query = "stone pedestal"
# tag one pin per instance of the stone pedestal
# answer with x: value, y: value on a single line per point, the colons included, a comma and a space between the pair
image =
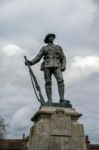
x: 56, y: 128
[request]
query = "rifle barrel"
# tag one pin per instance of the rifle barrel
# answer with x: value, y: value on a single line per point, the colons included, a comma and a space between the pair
x: 41, y: 99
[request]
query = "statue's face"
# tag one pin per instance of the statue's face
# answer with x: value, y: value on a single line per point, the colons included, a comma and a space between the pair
x: 50, y: 39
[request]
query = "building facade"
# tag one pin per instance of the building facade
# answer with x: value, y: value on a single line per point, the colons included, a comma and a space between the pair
x: 14, y: 144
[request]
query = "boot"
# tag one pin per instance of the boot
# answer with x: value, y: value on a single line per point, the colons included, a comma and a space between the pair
x: 61, y: 93
x: 49, y: 94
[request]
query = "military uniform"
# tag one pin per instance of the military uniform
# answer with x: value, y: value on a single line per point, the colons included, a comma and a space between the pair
x: 54, y: 62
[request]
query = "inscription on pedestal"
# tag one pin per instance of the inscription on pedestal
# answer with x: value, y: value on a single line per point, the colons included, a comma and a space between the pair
x: 60, y: 123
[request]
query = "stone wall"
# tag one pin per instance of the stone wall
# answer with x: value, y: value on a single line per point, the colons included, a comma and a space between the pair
x: 56, y: 128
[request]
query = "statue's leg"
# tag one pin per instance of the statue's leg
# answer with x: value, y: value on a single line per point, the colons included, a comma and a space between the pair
x: 59, y: 77
x: 48, y: 83
x: 61, y: 90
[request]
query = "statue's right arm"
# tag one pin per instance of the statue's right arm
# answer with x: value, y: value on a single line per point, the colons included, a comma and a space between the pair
x: 38, y: 57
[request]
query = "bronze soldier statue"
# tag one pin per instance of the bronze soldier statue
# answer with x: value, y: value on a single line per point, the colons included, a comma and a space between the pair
x: 54, y: 63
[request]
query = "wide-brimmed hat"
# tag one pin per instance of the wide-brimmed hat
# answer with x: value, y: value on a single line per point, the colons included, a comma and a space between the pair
x: 47, y: 37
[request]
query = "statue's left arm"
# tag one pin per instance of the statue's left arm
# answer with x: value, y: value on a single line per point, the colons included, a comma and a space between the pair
x: 63, y: 60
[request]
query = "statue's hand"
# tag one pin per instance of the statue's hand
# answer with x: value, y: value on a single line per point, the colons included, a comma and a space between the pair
x: 63, y: 68
x: 28, y: 63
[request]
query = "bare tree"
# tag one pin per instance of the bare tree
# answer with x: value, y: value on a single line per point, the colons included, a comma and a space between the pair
x: 3, y: 129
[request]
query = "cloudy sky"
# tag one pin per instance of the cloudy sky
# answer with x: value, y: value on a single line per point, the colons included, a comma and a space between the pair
x: 23, y: 26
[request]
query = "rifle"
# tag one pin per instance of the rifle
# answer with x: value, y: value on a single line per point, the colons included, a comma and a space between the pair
x: 35, y: 84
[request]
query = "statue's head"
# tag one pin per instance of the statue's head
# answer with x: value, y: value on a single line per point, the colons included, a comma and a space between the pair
x: 49, y: 37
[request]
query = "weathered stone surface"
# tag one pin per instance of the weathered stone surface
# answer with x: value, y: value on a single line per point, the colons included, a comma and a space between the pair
x: 57, y: 128
x: 60, y: 143
x: 78, y: 143
x: 42, y: 142
x: 60, y: 123
x: 77, y: 129
x: 47, y: 111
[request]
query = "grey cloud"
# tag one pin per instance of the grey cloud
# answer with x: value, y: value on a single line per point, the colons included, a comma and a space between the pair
x: 85, y: 99
x: 34, y: 19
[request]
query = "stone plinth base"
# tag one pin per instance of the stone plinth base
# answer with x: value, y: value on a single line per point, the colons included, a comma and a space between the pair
x: 56, y: 128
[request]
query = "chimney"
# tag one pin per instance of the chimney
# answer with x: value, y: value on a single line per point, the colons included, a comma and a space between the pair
x: 23, y: 135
